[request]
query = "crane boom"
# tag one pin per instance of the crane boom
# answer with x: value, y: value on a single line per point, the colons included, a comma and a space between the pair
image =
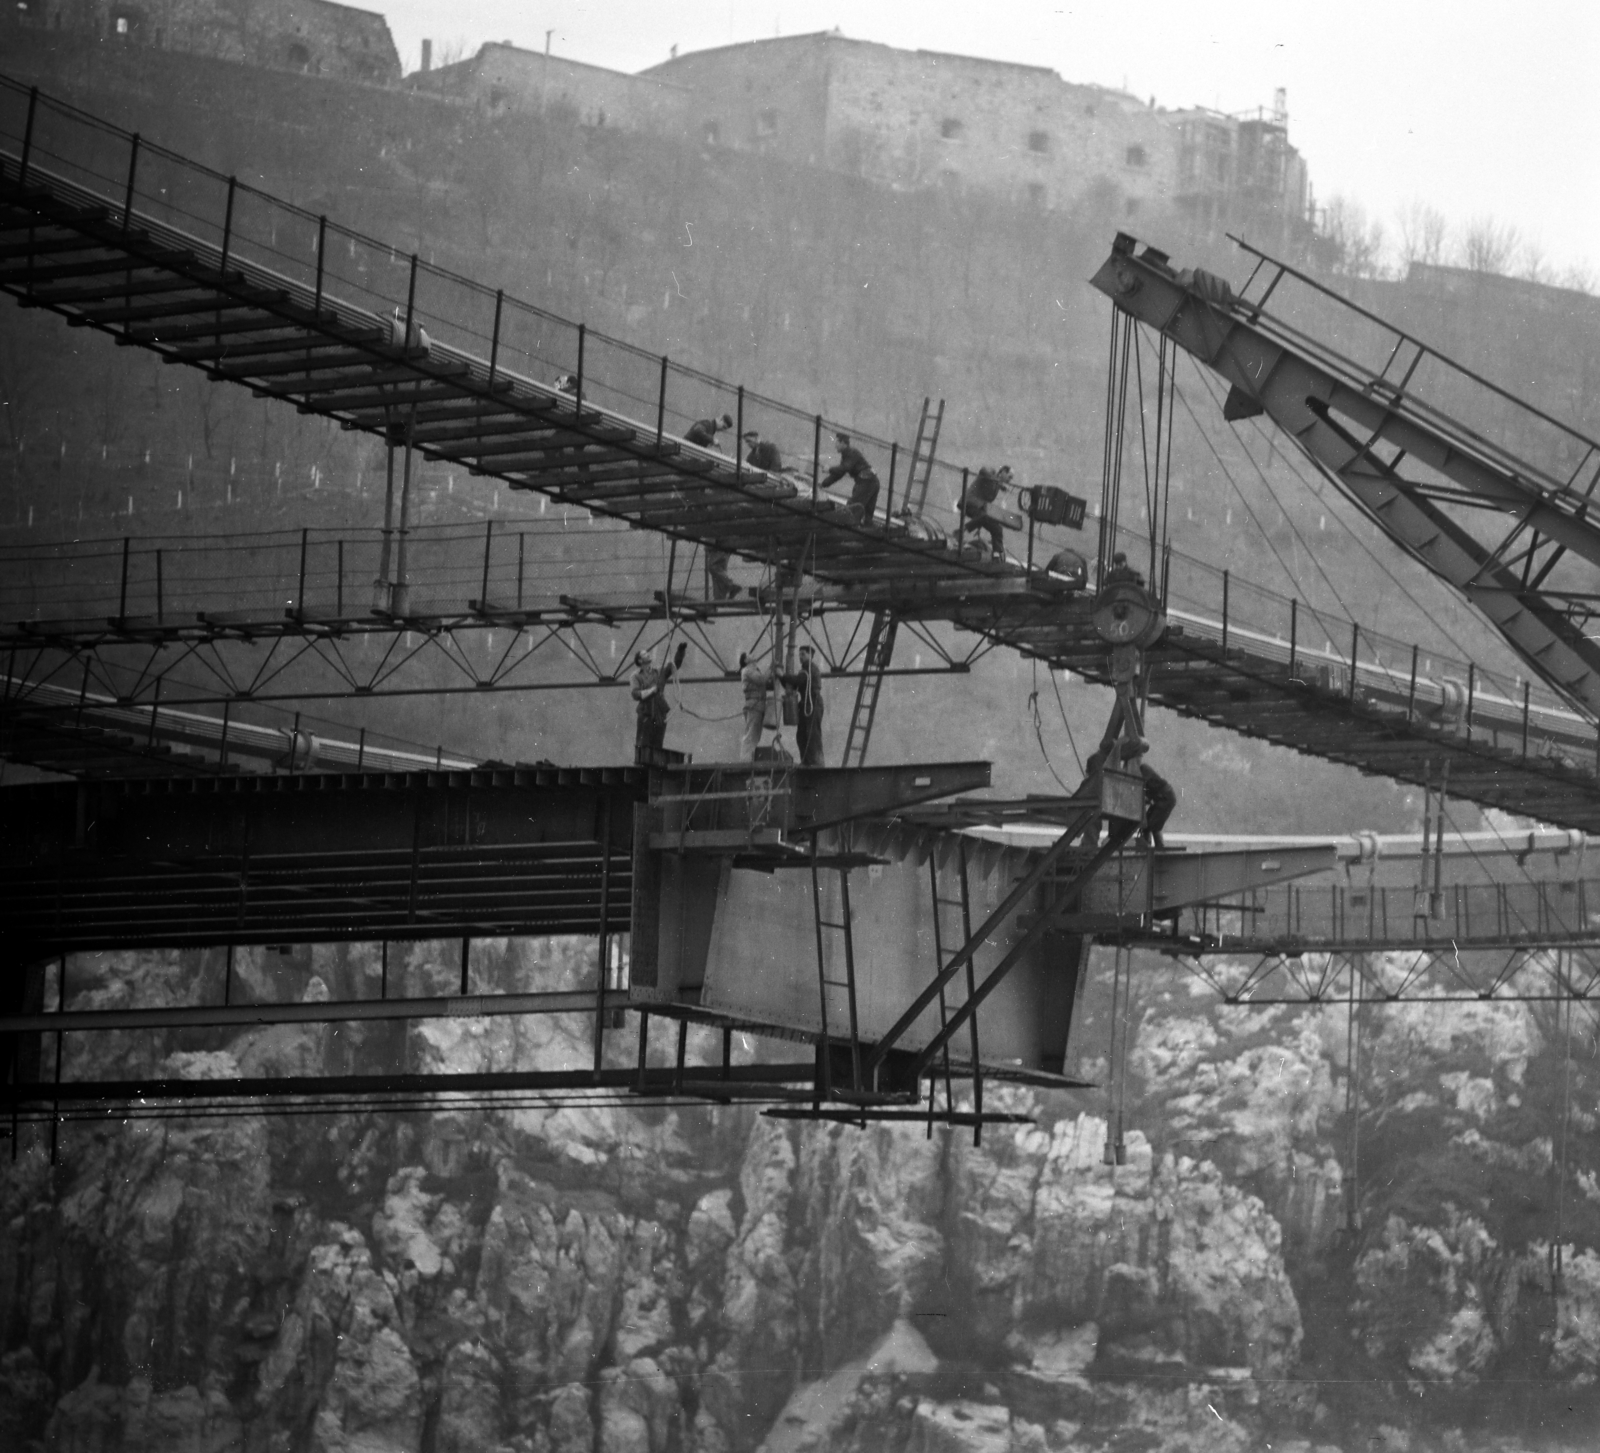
x: 1495, y: 526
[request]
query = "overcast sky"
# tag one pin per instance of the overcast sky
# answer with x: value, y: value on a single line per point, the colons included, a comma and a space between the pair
x: 1479, y: 108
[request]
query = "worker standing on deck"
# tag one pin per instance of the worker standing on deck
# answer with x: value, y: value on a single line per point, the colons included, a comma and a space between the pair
x: 757, y: 683
x: 864, y: 489
x: 806, y: 683
x: 719, y: 586
x: 1159, y: 800
x: 649, y: 691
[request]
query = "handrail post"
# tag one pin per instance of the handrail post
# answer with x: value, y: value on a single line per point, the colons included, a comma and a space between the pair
x: 227, y: 229
x: 122, y: 607
x: 961, y: 512
x: 160, y: 590
x: 1355, y: 642
x: 27, y: 137
x: 133, y: 166
x: 494, y: 340
x: 483, y: 592
x: 1294, y: 632
x: 1225, y: 583
x: 1472, y: 691
x: 322, y: 247
x: 1527, y: 688
x: 661, y: 403
x: 888, y: 508
x: 816, y: 457
x: 411, y: 304
x: 578, y: 397
x: 1411, y: 695
x: 300, y: 593
x: 738, y: 440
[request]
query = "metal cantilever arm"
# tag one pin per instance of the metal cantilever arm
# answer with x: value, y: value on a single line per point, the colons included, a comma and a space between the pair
x: 1337, y: 416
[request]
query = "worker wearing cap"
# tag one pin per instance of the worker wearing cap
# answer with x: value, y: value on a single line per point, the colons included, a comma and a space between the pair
x: 763, y: 453
x: 806, y: 683
x: 719, y: 586
x: 649, y: 691
x: 982, y: 492
x: 1159, y: 800
x: 864, y: 489
x: 756, y: 681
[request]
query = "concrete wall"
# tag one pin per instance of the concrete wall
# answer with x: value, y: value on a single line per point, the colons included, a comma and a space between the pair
x: 766, y: 96
x: 312, y: 36
x: 921, y: 118
x: 506, y: 78
x: 916, y: 119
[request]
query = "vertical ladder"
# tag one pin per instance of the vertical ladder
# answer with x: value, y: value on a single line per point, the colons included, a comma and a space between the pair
x: 840, y: 927
x: 874, y: 662
x: 920, y: 471
x: 963, y: 903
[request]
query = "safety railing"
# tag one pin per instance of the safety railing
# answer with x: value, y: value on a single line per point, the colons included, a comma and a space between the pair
x: 1345, y: 917
x: 361, y: 278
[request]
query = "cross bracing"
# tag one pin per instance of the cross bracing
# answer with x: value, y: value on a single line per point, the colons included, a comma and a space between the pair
x: 132, y: 240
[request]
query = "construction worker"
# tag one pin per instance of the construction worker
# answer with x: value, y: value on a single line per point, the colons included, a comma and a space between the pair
x: 719, y: 585
x: 757, y: 683
x: 982, y: 492
x: 704, y: 431
x: 806, y: 683
x: 1159, y: 800
x: 649, y: 691
x: 763, y: 453
x: 864, y: 489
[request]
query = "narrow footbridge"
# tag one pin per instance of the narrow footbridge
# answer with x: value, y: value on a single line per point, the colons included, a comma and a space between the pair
x: 113, y: 233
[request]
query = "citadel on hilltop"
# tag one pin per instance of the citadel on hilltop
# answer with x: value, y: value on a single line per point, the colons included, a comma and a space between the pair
x: 316, y: 37
x: 899, y: 118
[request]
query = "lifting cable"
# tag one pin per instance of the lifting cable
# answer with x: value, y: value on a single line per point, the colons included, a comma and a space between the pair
x: 1116, y: 429
x: 1561, y: 1167
x: 1365, y: 548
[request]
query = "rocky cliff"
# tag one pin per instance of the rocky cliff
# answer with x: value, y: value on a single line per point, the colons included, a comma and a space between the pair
x: 1283, y: 1259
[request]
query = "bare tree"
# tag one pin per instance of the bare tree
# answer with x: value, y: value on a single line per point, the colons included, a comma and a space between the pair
x: 1423, y: 231
x: 1535, y: 265
x: 1489, y: 245
x: 1356, y: 241
x: 1579, y: 277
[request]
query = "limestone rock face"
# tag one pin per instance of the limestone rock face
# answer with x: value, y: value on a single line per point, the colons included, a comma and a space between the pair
x: 1296, y: 1250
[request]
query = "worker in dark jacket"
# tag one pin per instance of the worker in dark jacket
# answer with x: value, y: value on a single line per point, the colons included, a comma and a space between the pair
x: 763, y: 453
x: 981, y: 493
x: 806, y: 683
x: 649, y: 691
x: 1159, y: 800
x: 718, y: 584
x: 864, y: 489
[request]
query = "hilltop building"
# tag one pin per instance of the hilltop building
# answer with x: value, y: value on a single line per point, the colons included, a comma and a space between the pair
x: 504, y: 77
x: 313, y: 36
x: 923, y: 118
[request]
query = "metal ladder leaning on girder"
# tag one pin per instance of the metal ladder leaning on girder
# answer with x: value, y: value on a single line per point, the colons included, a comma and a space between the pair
x: 840, y: 927
x: 880, y: 638
x: 963, y: 903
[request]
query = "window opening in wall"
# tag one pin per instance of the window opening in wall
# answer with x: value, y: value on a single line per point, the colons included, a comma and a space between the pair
x: 1036, y: 194
x: 1038, y: 141
x: 950, y: 129
x: 767, y: 123
x: 1136, y: 156
x: 126, y: 20
x: 299, y: 55
x: 712, y: 133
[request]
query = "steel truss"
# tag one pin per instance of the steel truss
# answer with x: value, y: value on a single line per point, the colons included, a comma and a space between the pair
x: 1439, y: 975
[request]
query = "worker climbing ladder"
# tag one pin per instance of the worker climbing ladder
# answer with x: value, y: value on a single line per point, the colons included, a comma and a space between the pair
x: 835, y: 942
